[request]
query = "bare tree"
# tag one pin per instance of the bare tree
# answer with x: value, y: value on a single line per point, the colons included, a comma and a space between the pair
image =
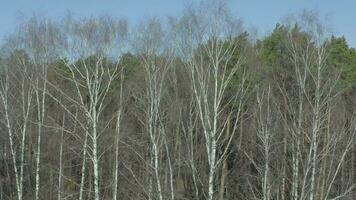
x: 92, y: 77
x: 7, y: 95
x: 312, y: 140
x: 156, y: 59
x: 265, y: 134
x: 211, y: 71
x: 60, y: 173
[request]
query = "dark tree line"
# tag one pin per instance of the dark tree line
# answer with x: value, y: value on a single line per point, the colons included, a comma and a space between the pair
x: 192, y: 108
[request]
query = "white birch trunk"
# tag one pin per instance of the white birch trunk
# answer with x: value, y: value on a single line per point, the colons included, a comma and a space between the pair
x: 60, y: 173
x: 82, y: 179
x: 40, y: 120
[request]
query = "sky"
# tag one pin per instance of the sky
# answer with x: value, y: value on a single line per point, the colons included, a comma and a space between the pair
x: 260, y: 15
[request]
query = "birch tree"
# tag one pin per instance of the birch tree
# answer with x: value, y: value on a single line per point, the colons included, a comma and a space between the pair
x: 265, y: 133
x: 312, y: 140
x: 211, y: 70
x: 11, y: 118
x: 156, y: 59
x: 92, y: 76
x: 41, y: 37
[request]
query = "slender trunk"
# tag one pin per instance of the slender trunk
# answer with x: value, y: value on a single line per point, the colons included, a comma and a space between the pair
x: 222, y: 181
x: 95, y: 159
x: 150, y: 184
x: 82, y: 181
x: 37, y: 187
x: 38, y: 165
x: 296, y: 144
x: 315, y: 131
x: 224, y: 166
x: 284, y: 163
x: 60, y: 164
x: 323, y: 177
x: 117, y: 138
x: 211, y: 170
x: 4, y: 98
x: 313, y: 165
x: 40, y: 116
x: 26, y: 111
x: 13, y: 153
x: 212, y: 134
x: 156, y: 169
x: 266, y: 189
x: 116, y: 172
x: 295, y: 170
x: 170, y: 169
x: 191, y: 152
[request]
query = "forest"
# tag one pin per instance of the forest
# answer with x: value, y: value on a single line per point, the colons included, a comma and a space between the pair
x: 192, y: 107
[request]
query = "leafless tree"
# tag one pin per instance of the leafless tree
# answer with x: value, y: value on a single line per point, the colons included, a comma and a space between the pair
x: 10, y: 107
x: 211, y: 70
x: 92, y: 77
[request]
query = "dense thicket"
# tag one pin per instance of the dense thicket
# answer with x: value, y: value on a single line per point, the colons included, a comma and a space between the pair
x: 189, y: 109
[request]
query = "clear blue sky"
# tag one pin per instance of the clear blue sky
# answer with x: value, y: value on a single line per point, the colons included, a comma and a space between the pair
x: 262, y: 14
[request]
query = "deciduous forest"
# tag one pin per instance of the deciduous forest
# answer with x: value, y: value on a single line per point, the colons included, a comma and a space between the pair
x: 182, y: 108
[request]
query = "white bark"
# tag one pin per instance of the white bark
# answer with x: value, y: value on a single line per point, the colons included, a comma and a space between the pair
x: 212, y: 68
x: 92, y: 76
x: 308, y: 170
x: 4, y: 98
x: 116, y: 167
x: 40, y: 98
x: 26, y: 99
x: 60, y: 173
x: 170, y: 168
x: 84, y: 156
x: 209, y: 102
x: 188, y: 130
x: 265, y: 134
x: 117, y: 136
x: 155, y: 60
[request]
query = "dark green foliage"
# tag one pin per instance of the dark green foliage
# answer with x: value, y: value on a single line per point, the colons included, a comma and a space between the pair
x: 273, y: 49
x: 343, y: 58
